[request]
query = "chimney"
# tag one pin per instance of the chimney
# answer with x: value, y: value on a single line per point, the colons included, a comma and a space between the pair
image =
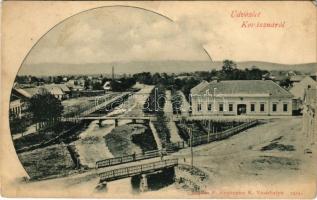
x: 112, y: 72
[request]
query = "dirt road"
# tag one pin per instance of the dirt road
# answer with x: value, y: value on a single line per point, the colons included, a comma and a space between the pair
x: 270, y: 156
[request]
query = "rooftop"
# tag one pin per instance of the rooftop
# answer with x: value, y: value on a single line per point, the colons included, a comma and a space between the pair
x: 242, y: 87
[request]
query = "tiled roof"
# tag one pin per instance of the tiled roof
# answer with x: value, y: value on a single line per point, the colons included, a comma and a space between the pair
x: 243, y: 87
x: 297, y: 78
x: 63, y: 87
x: 31, y: 91
x: 54, y: 89
x: 199, y: 87
x: 23, y: 92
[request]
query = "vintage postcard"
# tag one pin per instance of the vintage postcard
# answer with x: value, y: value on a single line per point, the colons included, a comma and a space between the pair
x: 154, y: 99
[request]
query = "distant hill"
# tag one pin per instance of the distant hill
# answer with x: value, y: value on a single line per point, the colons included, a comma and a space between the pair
x: 153, y: 66
x: 305, y: 67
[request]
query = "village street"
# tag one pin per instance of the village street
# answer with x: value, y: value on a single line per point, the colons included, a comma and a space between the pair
x: 242, y: 162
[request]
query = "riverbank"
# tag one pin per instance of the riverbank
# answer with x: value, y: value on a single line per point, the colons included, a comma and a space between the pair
x: 91, y: 146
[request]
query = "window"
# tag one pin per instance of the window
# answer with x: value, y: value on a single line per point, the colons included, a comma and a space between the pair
x: 230, y: 107
x: 262, y: 107
x: 285, y: 107
x: 198, y: 107
x: 221, y: 107
x: 253, y: 107
x: 274, y: 107
x: 209, y: 107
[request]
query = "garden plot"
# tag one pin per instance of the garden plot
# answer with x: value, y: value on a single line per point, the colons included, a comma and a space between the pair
x: 130, y: 138
x: 47, y: 162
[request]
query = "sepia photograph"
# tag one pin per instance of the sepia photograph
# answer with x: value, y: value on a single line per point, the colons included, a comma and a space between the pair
x: 159, y: 99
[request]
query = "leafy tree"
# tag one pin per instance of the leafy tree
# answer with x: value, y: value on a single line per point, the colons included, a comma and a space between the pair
x: 229, y: 70
x: 58, y: 79
x: 144, y: 77
x: 122, y: 84
x: 45, y: 107
x: 228, y: 66
x: 286, y: 83
x: 22, y: 79
x: 97, y: 86
x: 87, y: 84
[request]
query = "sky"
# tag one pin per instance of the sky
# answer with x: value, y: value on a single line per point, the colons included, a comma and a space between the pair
x: 126, y: 34
x: 116, y: 34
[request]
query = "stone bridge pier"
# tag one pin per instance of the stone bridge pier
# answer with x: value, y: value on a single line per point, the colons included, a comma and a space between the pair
x: 153, y: 181
x: 116, y: 122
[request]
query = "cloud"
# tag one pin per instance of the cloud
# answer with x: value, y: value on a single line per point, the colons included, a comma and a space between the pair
x: 115, y: 35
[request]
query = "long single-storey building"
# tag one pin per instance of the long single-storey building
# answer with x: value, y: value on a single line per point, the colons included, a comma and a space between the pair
x: 240, y: 97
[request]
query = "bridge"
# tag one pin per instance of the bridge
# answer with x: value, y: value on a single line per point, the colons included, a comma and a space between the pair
x: 129, y: 158
x: 142, y: 171
x: 101, y: 102
x: 175, y: 118
x: 115, y: 118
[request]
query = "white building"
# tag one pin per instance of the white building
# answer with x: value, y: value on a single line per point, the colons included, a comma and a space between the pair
x: 15, y: 108
x: 299, y: 88
x: 240, y: 97
x: 107, y: 86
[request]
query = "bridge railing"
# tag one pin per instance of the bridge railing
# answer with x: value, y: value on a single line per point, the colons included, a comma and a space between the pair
x: 129, y: 158
x: 175, y: 146
x: 135, y: 170
x: 99, y: 103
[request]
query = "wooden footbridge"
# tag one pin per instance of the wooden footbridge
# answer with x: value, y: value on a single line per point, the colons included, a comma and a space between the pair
x: 133, y: 170
x: 101, y: 102
x: 129, y: 158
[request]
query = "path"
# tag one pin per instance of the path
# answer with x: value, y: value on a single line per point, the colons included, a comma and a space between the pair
x: 168, y: 111
x: 29, y: 130
x: 156, y: 137
x: 185, y: 105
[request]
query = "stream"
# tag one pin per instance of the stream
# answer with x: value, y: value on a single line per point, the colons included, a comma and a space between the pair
x: 91, y: 145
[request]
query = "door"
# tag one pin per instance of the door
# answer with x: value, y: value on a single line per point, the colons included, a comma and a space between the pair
x: 241, y: 109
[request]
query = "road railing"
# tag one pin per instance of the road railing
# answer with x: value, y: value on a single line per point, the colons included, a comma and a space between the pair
x: 129, y: 158
x: 136, y: 170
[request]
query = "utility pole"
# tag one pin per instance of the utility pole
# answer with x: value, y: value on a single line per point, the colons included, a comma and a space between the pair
x: 190, y: 130
x: 208, y: 131
x: 112, y: 73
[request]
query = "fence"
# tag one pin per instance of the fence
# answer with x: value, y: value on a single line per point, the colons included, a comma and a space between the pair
x: 221, y: 135
x: 135, y: 170
x: 173, y: 147
x: 129, y: 158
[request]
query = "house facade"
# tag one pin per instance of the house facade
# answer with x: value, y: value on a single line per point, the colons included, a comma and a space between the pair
x: 299, y: 88
x: 241, y: 97
x: 15, y: 108
x: 19, y: 103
